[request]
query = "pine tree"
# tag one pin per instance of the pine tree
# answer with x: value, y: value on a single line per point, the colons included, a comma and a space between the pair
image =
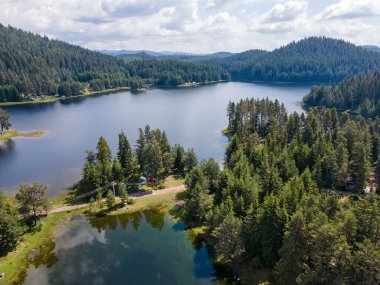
x: 294, y: 251
x: 212, y: 171
x: 11, y: 229
x: 329, y: 256
x: 124, y: 150
x: 232, y: 147
x: 117, y: 170
x: 342, y: 174
x: 167, y: 156
x: 140, y: 147
x: 197, y: 194
x: 367, y: 262
x: 191, y: 160
x: 90, y: 178
x: 229, y: 246
x: 179, y: 158
x: 272, y: 228
x: 270, y: 181
x: 32, y: 199
x: 152, y: 155
x: 103, y: 158
x: 110, y: 199
x: 359, y: 165
x: 122, y: 191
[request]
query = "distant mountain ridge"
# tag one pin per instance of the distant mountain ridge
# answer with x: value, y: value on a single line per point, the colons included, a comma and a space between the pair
x: 371, y: 48
x: 310, y: 60
x: 148, y: 52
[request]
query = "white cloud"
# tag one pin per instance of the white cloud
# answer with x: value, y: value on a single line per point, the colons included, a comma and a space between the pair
x: 349, y: 9
x: 78, y: 233
x: 282, y: 18
x: 285, y: 12
x: 133, y: 8
x: 192, y: 25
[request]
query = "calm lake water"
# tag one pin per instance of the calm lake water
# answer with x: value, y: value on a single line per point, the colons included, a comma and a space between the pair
x: 192, y: 117
x: 148, y: 247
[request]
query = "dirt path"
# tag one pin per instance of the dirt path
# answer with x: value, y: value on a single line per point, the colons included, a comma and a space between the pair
x: 136, y: 195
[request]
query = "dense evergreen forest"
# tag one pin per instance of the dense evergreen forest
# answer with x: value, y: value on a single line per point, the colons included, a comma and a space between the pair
x: 173, y: 73
x: 358, y: 95
x: 233, y: 63
x: 32, y: 65
x: 313, y: 59
x: 274, y: 204
x: 153, y: 158
x: 36, y: 65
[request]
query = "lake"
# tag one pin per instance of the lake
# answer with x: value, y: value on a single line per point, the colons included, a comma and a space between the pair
x: 147, y: 247
x: 192, y: 117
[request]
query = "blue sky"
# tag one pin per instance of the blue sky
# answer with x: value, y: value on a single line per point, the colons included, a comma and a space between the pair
x: 198, y: 26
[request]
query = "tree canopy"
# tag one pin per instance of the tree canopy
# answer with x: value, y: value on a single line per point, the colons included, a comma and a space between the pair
x: 153, y: 158
x: 10, y: 225
x: 313, y: 59
x: 358, y: 95
x: 33, y: 65
x: 276, y: 204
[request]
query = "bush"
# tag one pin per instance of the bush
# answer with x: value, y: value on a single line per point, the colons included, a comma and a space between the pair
x: 131, y: 201
x: 161, y: 186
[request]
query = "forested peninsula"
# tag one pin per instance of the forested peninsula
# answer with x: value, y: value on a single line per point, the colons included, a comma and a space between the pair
x: 290, y: 199
x: 357, y: 95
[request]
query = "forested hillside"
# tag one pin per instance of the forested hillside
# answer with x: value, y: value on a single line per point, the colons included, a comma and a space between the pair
x: 35, y: 65
x: 315, y: 59
x: 173, y: 73
x: 274, y: 204
x: 359, y: 95
x: 372, y: 48
x: 233, y: 63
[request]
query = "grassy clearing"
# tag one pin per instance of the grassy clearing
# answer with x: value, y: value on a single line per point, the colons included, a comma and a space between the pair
x: 14, y: 264
x: 139, y: 90
x: 170, y: 181
x: 106, y: 91
x: 166, y: 201
x: 173, y: 181
x: 62, y: 199
x: 9, y: 134
x: 47, y: 99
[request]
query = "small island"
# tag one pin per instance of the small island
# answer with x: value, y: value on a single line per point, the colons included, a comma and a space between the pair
x: 9, y: 134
